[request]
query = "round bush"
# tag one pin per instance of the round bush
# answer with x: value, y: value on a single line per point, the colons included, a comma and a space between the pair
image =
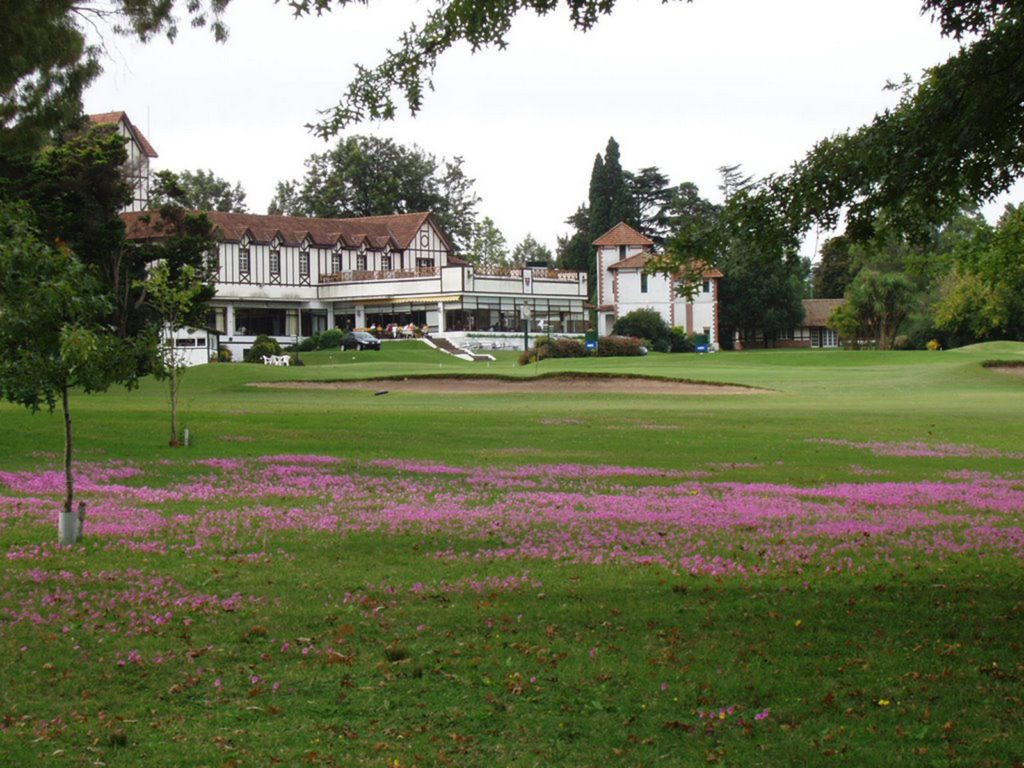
x: 264, y: 346
x: 330, y: 339
x: 645, y: 324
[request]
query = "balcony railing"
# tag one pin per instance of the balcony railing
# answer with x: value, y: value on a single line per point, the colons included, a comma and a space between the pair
x: 362, y: 275
x: 539, y: 273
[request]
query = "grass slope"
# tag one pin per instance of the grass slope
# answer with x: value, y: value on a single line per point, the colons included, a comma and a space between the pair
x: 401, y: 646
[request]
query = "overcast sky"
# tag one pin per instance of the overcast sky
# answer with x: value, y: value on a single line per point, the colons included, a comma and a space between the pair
x: 685, y: 87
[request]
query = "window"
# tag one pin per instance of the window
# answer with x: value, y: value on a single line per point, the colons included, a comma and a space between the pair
x: 421, y: 262
x: 643, y: 282
x: 252, y: 322
x: 361, y: 262
x: 335, y: 262
x: 622, y: 252
x: 706, y: 287
x: 275, y: 262
x: 385, y: 262
x: 244, y: 261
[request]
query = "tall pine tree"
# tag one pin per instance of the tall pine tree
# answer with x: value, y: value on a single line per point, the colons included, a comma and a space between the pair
x: 598, y: 202
x: 621, y: 206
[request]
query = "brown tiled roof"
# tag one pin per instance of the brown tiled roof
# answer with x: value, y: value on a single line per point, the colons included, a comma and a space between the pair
x: 817, y: 311
x: 113, y: 118
x: 639, y: 261
x: 623, y: 234
x: 636, y: 261
x: 396, y: 230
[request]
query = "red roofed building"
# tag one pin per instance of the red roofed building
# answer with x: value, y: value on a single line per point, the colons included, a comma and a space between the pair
x: 625, y: 285
x: 290, y: 277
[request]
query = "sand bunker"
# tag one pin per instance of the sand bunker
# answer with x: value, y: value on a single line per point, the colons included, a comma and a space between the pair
x: 551, y: 384
x: 1012, y: 370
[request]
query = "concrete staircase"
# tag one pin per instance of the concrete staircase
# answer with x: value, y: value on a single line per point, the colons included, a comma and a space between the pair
x: 443, y: 345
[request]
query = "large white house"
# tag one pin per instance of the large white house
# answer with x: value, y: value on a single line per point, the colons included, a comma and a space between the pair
x: 290, y: 277
x: 624, y: 285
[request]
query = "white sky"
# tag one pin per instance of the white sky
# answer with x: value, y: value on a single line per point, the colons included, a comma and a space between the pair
x: 687, y: 88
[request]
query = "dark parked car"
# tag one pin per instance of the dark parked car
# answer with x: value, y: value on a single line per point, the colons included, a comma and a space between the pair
x: 360, y: 340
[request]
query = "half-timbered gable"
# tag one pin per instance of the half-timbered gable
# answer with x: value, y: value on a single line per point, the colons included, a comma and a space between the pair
x: 139, y: 153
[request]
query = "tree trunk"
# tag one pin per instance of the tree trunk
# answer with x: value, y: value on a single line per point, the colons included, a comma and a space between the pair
x: 174, y: 406
x: 67, y: 529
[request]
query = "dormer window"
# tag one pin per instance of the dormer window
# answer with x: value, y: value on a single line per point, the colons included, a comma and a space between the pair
x: 361, y: 261
x: 244, y: 261
x: 274, y: 261
x: 304, y: 266
x: 385, y: 261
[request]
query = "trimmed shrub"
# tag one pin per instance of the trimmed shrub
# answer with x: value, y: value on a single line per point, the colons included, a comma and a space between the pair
x: 546, y: 347
x: 645, y: 324
x: 934, y: 345
x: 330, y: 339
x: 679, y: 341
x: 619, y: 346
x: 264, y: 346
x: 568, y: 348
x: 309, y: 343
x: 902, y: 342
x: 224, y: 355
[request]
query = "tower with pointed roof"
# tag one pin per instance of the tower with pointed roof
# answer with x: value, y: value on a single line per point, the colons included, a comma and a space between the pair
x: 623, y: 285
x: 140, y: 151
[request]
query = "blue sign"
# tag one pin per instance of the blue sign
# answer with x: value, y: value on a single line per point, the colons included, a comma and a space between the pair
x: 702, y: 347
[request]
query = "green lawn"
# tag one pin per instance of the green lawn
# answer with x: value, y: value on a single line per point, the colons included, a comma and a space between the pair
x: 825, y: 573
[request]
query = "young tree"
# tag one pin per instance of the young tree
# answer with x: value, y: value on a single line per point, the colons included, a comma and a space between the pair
x: 173, y: 299
x: 200, y: 191
x: 529, y: 250
x: 369, y: 176
x: 54, y: 335
x: 180, y: 280
x: 488, y: 247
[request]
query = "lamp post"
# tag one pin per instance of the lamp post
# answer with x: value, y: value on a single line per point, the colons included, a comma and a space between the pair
x: 526, y: 326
